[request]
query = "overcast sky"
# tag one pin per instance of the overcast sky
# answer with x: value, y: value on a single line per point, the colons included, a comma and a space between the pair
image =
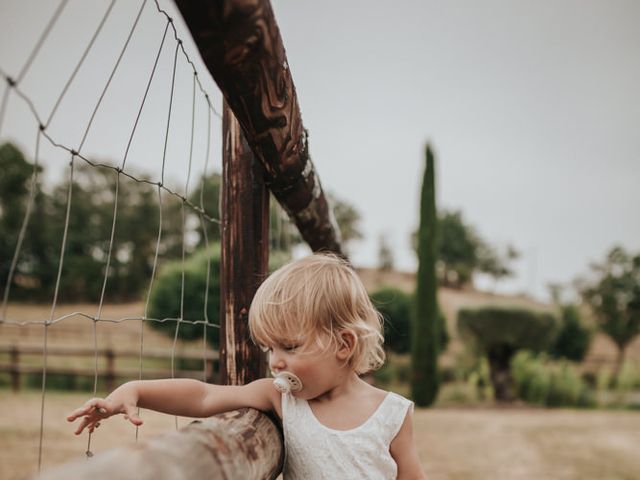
x: 532, y: 108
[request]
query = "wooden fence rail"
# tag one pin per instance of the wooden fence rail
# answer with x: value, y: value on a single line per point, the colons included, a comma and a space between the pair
x: 240, y: 43
x: 108, y: 370
x: 243, y: 444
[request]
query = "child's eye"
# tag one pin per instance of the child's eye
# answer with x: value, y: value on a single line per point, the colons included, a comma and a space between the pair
x: 290, y: 348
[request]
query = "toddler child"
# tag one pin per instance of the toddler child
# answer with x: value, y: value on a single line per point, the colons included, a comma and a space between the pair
x: 314, y: 318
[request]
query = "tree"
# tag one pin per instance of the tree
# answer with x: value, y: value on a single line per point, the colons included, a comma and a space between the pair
x: 458, y: 246
x: 88, y: 235
x: 207, y: 196
x: 347, y: 218
x: 395, y: 306
x: 462, y: 252
x: 614, y: 297
x: 495, y: 263
x: 283, y: 233
x: 574, y: 338
x: 425, y: 332
x: 385, y: 255
x: 135, y: 238
x: 499, y: 332
x: 35, y: 263
x: 167, y: 299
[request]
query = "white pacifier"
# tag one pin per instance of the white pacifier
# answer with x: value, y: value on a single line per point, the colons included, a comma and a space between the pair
x: 287, y: 382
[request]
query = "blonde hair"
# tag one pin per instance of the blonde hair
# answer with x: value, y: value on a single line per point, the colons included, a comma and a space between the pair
x: 314, y: 298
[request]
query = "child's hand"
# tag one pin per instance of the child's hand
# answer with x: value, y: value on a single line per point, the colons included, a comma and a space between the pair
x: 98, y: 409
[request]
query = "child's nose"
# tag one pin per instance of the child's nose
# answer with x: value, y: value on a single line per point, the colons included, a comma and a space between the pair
x: 276, y: 362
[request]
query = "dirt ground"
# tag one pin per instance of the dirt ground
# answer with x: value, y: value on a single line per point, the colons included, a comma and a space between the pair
x: 454, y: 444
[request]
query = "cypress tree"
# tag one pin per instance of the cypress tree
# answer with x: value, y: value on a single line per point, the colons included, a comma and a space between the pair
x: 425, y: 332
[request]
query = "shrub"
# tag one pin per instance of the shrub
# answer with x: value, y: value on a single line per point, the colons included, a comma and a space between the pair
x: 531, y: 378
x: 604, y: 379
x: 574, y: 338
x: 384, y: 375
x: 542, y: 381
x: 395, y: 371
x: 395, y: 307
x: 499, y: 332
x: 567, y: 387
x: 166, y: 295
x: 629, y: 378
x: 480, y: 380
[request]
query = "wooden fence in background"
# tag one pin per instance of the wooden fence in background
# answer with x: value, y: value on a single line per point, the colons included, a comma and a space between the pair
x: 264, y: 147
x: 108, y: 368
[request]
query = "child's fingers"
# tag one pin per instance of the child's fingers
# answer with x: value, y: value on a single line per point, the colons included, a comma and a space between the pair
x: 95, y: 406
x: 131, y: 414
x: 78, y: 412
x: 83, y: 424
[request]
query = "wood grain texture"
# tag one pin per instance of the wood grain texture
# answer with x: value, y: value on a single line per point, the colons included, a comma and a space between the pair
x: 242, y: 444
x: 245, y: 254
x: 240, y: 43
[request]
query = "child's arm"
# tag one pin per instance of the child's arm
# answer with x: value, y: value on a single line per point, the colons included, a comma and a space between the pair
x: 183, y: 397
x: 404, y: 452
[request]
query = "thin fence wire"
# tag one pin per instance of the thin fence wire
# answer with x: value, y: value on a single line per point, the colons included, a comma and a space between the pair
x: 280, y: 234
x: 13, y: 86
x: 80, y: 63
x: 41, y: 40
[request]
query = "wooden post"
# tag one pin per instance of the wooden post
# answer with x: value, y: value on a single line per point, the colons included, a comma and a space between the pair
x: 208, y: 370
x: 243, y: 444
x: 240, y: 43
x: 15, y: 369
x: 244, y: 256
x: 110, y: 377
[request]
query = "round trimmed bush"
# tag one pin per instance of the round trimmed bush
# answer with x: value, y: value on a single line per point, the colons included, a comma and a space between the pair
x: 166, y: 296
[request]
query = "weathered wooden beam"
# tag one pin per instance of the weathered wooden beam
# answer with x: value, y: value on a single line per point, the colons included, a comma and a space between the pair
x: 242, y: 444
x: 244, y: 253
x: 241, y: 45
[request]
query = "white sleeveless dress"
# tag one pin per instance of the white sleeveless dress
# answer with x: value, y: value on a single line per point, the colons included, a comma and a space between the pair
x: 315, y: 452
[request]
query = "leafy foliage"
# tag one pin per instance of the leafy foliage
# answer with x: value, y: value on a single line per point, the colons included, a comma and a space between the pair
x: 91, y: 217
x: 516, y: 327
x: 458, y: 246
x: 495, y: 263
x: 425, y: 336
x: 462, y: 252
x: 500, y: 332
x: 207, y: 196
x: 169, y: 301
x: 347, y: 218
x: 574, y: 338
x: 614, y: 297
x: 385, y: 255
x: 540, y: 380
x: 395, y: 306
x: 284, y: 234
x: 36, y: 265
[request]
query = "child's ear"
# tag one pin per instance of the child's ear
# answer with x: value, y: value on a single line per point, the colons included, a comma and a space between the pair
x: 348, y: 340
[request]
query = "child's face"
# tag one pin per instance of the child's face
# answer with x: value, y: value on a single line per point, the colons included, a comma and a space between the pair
x: 320, y: 370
